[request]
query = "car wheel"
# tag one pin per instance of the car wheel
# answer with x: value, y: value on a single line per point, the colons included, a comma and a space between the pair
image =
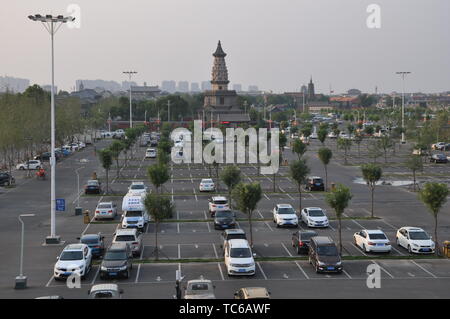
x: 22, y: 168
x: 127, y: 274
x: 298, y: 251
x: 364, y: 248
x: 398, y: 242
x: 409, y: 249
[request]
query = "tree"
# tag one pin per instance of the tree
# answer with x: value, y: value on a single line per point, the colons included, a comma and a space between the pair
x: 159, y: 208
x: 374, y: 150
x: 385, y: 143
x: 339, y: 199
x: 299, y: 172
x: 116, y: 148
x: 345, y: 145
x: 322, y: 135
x: 325, y: 155
x: 372, y: 174
x: 158, y: 174
x: 106, y: 160
x: 434, y: 196
x: 350, y: 129
x: 414, y: 163
x: 247, y: 197
x: 163, y: 158
x: 299, y: 148
x: 231, y: 176
x: 358, y: 139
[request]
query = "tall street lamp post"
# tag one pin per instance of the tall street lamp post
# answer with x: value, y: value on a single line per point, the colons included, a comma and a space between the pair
x: 21, y: 280
x: 403, y: 74
x: 52, y: 25
x: 130, y: 74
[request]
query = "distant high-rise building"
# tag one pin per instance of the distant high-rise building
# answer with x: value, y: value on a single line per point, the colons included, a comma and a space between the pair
x: 195, y: 87
x: 48, y: 88
x: 311, y: 93
x: 237, y: 87
x: 304, y: 89
x: 253, y: 88
x: 169, y: 86
x: 206, y: 85
x: 183, y: 86
x: 112, y: 86
x: 12, y: 84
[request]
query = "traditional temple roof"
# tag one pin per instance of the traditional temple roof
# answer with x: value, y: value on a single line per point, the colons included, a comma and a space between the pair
x: 219, y: 51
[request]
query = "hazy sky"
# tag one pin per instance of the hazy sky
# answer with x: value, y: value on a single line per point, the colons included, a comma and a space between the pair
x: 275, y: 44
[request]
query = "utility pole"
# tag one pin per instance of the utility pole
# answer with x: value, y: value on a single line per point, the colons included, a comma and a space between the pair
x: 130, y: 74
x: 403, y: 74
x: 168, y: 111
x: 52, y: 25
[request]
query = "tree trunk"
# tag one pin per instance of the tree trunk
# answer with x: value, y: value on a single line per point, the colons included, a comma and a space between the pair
x: 372, y: 193
x: 300, y: 198
x: 326, y: 178
x: 414, y: 179
x: 340, y: 235
x: 117, y: 163
x: 156, y: 240
x: 438, y: 253
x: 229, y: 197
x: 107, y: 181
x: 251, y: 229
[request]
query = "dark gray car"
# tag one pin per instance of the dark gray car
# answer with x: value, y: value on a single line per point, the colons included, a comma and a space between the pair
x: 301, y: 240
x: 117, y: 262
x: 323, y: 255
x: 224, y: 219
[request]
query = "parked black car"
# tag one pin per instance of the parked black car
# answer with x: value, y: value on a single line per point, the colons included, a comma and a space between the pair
x: 323, y: 255
x: 117, y: 261
x: 95, y: 243
x: 45, y: 157
x: 224, y: 219
x: 438, y: 158
x: 6, y: 179
x: 93, y: 187
x: 315, y: 183
x: 301, y: 239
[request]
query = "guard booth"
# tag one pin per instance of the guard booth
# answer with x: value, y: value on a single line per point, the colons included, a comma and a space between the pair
x: 446, y: 249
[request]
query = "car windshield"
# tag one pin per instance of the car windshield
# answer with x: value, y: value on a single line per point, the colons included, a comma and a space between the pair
x: 138, y: 186
x: 92, y: 183
x: 317, y: 181
x: 316, y: 213
x: 115, y: 255
x: 418, y: 235
x: 236, y: 236
x: 240, y: 253
x: 224, y: 213
x: 207, y: 181
x: 327, y: 250
x: 307, y: 236
x: 71, y: 255
x: 104, y: 206
x: 103, y: 294
x: 377, y: 236
x: 286, y: 211
x: 220, y: 202
x: 125, y: 238
x: 136, y: 213
x: 89, y: 240
x: 198, y: 288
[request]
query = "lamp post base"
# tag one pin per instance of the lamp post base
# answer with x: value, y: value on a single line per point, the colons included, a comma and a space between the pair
x: 52, y: 240
x: 21, y: 282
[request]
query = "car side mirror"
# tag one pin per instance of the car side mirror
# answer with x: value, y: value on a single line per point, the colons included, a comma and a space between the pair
x: 235, y: 294
x: 254, y: 254
x: 57, y: 258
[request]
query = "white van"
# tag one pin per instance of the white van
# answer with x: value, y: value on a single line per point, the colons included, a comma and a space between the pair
x: 134, y: 214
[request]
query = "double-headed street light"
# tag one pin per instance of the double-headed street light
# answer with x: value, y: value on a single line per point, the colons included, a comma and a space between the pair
x: 52, y: 25
x: 130, y: 74
x: 21, y: 280
x: 403, y: 74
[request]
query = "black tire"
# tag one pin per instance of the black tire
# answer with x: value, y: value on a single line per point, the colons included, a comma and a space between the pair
x: 127, y: 274
x: 409, y: 249
x: 299, y: 251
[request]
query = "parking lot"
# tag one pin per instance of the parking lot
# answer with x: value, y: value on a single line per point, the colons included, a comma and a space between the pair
x: 190, y: 235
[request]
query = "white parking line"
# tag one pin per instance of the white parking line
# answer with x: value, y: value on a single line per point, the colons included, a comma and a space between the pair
x: 178, y: 228
x: 262, y: 271
x: 261, y: 215
x: 215, y: 251
x: 50, y: 281
x: 350, y: 277
x: 397, y: 250
x: 179, y: 254
x: 137, y: 274
x: 301, y: 269
x: 287, y: 250
x: 196, y: 199
x: 383, y: 269
x: 267, y: 224
x: 220, y: 270
x: 421, y: 267
x: 266, y: 196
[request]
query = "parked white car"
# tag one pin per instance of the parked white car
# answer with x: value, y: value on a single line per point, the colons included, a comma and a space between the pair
x: 199, y: 289
x: 239, y: 258
x: 332, y: 135
x: 105, y: 210
x: 415, y: 239
x: 132, y: 237
x: 372, y: 241
x: 32, y: 164
x: 285, y: 215
x: 314, y: 217
x: 207, y: 185
x: 217, y: 203
x: 75, y: 258
x: 137, y: 188
x: 150, y: 153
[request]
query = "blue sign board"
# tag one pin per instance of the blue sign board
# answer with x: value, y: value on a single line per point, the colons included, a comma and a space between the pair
x: 60, y: 205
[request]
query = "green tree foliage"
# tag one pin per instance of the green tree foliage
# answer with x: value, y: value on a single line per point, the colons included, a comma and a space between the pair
x: 299, y: 148
x: 158, y: 175
x: 299, y: 171
x: 231, y: 176
x: 371, y: 174
x: 325, y: 155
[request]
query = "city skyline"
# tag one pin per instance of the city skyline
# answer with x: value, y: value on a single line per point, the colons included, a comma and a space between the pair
x: 278, y: 51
